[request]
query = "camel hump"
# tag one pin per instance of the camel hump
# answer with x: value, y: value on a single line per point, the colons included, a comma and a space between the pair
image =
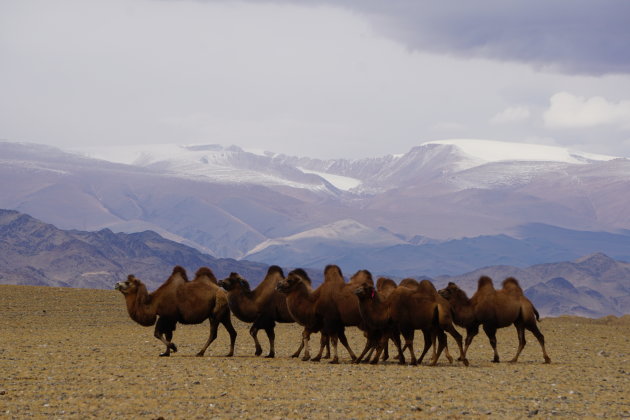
x: 205, y: 271
x: 427, y: 287
x: 274, y: 269
x: 511, y: 285
x: 485, y: 281
x: 385, y: 283
x: 301, y: 273
x: 362, y: 276
x: 409, y: 283
x: 178, y: 269
x: 331, y: 271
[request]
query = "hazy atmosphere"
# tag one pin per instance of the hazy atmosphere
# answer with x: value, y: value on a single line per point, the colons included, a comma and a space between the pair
x: 318, y: 78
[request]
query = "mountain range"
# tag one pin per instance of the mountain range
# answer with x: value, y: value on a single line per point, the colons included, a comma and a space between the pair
x: 37, y: 253
x: 443, y: 208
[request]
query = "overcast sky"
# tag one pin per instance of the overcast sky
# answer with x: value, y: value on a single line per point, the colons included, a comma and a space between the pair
x: 351, y: 79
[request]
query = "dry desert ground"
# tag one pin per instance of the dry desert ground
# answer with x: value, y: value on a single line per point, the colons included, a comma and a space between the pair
x: 74, y: 353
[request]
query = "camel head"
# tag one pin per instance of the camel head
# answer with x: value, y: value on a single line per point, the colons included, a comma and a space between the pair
x: 365, y: 291
x: 452, y: 292
x: 129, y: 286
x: 294, y: 278
x: 234, y: 282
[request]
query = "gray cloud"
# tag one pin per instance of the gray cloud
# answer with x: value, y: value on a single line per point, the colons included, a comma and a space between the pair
x: 569, y: 36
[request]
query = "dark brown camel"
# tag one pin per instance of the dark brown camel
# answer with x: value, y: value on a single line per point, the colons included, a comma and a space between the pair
x: 263, y: 306
x: 301, y: 301
x: 375, y: 312
x: 422, y: 309
x: 179, y: 300
x: 495, y: 309
x: 338, y: 307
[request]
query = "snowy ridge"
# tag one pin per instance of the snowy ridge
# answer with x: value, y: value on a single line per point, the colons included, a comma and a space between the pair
x: 346, y: 230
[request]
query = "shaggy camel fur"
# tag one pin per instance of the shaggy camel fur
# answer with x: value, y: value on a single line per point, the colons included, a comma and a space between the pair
x: 495, y: 309
x: 263, y: 306
x: 301, y: 301
x: 179, y: 300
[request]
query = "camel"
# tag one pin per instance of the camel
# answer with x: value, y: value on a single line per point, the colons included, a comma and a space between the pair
x: 495, y: 309
x: 263, y: 306
x: 374, y: 310
x: 301, y: 301
x: 338, y: 307
x: 409, y: 309
x: 179, y: 300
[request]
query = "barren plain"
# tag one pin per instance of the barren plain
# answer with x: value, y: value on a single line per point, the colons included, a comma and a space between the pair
x: 75, y: 353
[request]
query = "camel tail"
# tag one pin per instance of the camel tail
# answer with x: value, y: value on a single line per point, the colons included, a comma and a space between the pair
x: 436, y: 316
x: 536, y: 313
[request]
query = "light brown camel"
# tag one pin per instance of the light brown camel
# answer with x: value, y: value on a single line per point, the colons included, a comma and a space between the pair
x: 495, y: 309
x: 179, y: 300
x: 263, y: 306
x: 301, y: 301
x: 421, y: 308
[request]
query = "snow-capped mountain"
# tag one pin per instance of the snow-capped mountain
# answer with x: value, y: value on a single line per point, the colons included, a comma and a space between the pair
x: 230, y: 202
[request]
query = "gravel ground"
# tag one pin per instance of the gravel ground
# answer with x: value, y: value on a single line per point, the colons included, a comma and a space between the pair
x: 74, y: 353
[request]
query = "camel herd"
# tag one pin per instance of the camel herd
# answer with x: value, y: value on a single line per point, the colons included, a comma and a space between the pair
x: 384, y: 311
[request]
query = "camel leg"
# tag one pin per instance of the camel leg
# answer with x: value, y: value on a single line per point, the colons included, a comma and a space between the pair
x: 271, y: 334
x: 305, y: 337
x: 323, y: 342
x: 227, y: 323
x: 367, y: 348
x: 327, y: 355
x: 401, y: 352
x: 253, y: 331
x: 214, y: 327
x: 471, y: 332
x: 386, y: 350
x: 458, y: 339
x: 441, y: 338
x: 369, y: 354
x: 541, y: 339
x: 409, y: 344
x: 344, y: 341
x: 381, y: 345
x: 164, y: 333
x: 491, y: 333
x: 520, y: 333
x: 335, y: 359
x: 428, y: 341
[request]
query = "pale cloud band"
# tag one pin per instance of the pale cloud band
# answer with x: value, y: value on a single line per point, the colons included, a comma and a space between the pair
x: 571, y: 111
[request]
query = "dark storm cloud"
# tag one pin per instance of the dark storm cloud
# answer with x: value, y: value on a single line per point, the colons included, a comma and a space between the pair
x: 569, y: 36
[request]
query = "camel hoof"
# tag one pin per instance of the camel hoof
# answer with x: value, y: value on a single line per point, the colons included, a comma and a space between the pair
x: 466, y: 362
x: 547, y: 360
x: 306, y: 358
x: 334, y: 362
x: 200, y: 354
x: 165, y: 354
x: 173, y: 347
x: 258, y: 352
x: 495, y: 361
x: 270, y: 356
x: 316, y: 359
x: 374, y: 362
x: 295, y: 355
x: 229, y: 354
